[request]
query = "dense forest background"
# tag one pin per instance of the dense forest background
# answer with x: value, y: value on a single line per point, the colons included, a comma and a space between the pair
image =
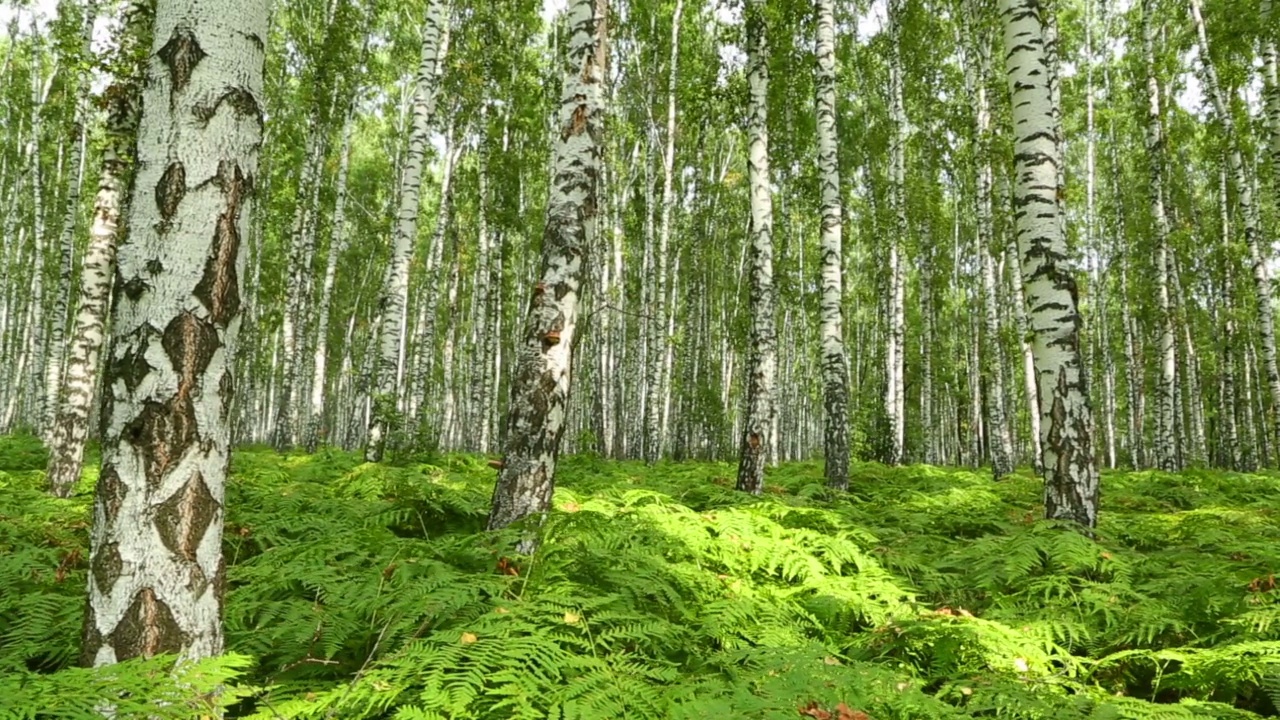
x: 283, y: 286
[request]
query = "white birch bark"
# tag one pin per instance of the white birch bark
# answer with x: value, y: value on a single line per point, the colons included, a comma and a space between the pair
x: 317, y: 430
x: 1249, y: 214
x: 1071, y: 478
x: 999, y: 439
x: 1271, y: 90
x: 157, y: 573
x: 56, y: 357
x: 395, y: 296
x: 835, y: 365
x: 1166, y: 449
x: 895, y: 348
x: 762, y: 362
x: 71, y: 422
x: 540, y: 386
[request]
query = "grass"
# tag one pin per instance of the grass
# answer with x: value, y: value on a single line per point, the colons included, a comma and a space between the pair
x: 363, y: 591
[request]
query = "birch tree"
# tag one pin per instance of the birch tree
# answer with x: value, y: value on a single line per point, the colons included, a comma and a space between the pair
x: 1166, y: 440
x: 1071, y: 478
x: 71, y: 422
x: 1249, y: 214
x: 762, y: 360
x: 536, y: 415
x: 835, y: 367
x: 157, y: 574
x: 395, y: 295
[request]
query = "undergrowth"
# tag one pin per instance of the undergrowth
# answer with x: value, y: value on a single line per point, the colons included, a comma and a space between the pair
x: 363, y: 591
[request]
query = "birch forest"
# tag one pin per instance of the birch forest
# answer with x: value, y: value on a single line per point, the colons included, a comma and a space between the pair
x: 585, y: 359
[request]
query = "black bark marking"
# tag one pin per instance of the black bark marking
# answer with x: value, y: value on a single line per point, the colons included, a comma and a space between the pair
x: 148, y: 628
x: 190, y: 343
x: 183, y: 519
x: 134, y: 288
x: 241, y: 101
x: 162, y: 432
x: 226, y: 392
x: 132, y: 367
x: 111, y: 491
x: 90, y: 636
x: 154, y: 266
x: 106, y: 567
x: 219, y: 287
x: 170, y: 191
x: 181, y: 54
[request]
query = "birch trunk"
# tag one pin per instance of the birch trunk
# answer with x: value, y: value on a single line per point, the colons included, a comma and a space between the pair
x: 1166, y: 449
x: 835, y: 365
x: 1249, y: 216
x: 54, y: 362
x: 71, y: 422
x: 1271, y: 85
x: 1071, y: 478
x: 540, y: 387
x: 999, y: 439
x: 318, y: 430
x: 157, y: 575
x: 762, y: 362
x: 395, y: 296
x: 895, y: 348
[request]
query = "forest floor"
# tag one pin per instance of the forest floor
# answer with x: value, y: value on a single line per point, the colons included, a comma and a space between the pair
x: 372, y: 591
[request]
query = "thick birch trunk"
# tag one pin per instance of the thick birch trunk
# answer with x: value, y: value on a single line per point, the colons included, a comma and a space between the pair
x: 835, y: 365
x: 1071, y: 478
x: 71, y: 423
x: 540, y: 388
x: 157, y: 574
x: 757, y: 420
x: 395, y: 297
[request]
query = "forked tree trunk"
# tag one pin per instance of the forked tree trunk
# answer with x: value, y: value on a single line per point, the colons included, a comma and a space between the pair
x: 1071, y: 478
x: 157, y: 573
x: 395, y: 297
x: 71, y: 423
x: 540, y: 387
x: 762, y: 361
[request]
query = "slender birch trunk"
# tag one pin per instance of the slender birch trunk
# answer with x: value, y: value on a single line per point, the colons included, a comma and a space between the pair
x: 835, y: 365
x: 540, y: 388
x: 1166, y: 449
x: 318, y: 430
x: 998, y: 435
x: 1071, y: 478
x: 71, y: 422
x: 55, y: 359
x: 762, y: 363
x: 1250, y: 219
x: 1271, y: 85
x: 395, y: 296
x: 157, y: 574
x: 895, y: 348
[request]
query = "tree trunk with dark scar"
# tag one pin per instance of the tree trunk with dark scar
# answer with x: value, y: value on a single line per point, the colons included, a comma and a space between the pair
x: 156, y: 569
